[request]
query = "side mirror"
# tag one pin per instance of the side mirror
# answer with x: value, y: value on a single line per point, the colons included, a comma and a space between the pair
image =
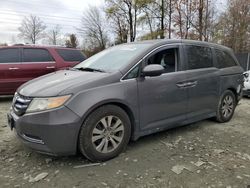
x: 153, y: 70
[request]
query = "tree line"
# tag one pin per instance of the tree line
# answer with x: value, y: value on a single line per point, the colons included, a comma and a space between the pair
x: 121, y: 21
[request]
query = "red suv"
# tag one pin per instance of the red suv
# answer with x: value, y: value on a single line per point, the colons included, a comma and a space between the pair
x: 19, y: 64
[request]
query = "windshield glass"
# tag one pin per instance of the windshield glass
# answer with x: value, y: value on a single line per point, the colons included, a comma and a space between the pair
x: 113, y: 58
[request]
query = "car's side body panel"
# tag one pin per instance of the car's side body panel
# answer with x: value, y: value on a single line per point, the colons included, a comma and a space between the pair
x: 10, y: 72
x: 203, y: 95
x: 230, y: 77
x: 32, y: 69
x: 159, y: 108
x: 203, y: 92
x: 122, y: 93
x: 14, y: 74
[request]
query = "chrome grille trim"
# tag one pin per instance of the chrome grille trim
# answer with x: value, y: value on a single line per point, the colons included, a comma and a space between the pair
x: 20, y: 104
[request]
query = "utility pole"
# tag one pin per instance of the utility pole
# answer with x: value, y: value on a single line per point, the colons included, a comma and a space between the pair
x: 188, y: 13
x: 162, y: 19
x: 206, y: 21
x: 170, y: 19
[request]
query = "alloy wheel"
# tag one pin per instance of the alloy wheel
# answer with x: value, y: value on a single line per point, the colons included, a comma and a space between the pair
x: 107, y: 134
x: 227, y: 106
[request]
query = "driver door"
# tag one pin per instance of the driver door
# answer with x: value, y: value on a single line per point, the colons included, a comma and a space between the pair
x: 162, y: 99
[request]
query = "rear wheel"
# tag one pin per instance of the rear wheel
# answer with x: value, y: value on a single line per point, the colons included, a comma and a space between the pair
x: 226, y: 107
x: 105, y: 133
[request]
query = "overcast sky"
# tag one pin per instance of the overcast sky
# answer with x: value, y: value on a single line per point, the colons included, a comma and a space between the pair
x: 66, y: 13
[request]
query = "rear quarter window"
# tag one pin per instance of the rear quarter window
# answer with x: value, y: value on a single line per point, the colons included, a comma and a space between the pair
x: 9, y: 55
x: 224, y: 60
x: 36, y: 55
x: 71, y: 55
x: 199, y: 57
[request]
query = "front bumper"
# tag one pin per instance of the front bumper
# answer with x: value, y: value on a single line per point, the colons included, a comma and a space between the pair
x: 52, y: 132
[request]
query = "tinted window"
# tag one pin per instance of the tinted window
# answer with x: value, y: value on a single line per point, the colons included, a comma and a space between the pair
x: 166, y: 58
x: 10, y: 55
x: 71, y: 55
x: 199, y: 57
x: 36, y: 55
x: 223, y: 59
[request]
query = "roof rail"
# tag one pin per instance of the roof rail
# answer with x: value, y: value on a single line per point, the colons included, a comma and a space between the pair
x: 18, y: 44
x: 42, y: 45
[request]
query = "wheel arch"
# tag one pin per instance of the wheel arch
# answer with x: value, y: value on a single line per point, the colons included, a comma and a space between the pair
x: 118, y: 103
x: 234, y: 92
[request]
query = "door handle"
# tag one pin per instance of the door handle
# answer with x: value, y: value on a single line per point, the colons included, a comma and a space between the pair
x: 13, y: 68
x: 52, y: 67
x: 181, y: 85
x: 187, y: 84
x: 191, y: 84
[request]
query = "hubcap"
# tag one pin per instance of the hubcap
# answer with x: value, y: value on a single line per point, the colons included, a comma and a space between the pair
x: 227, y: 106
x: 108, y: 134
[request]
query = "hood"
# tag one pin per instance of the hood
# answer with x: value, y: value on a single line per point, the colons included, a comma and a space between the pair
x: 54, y: 83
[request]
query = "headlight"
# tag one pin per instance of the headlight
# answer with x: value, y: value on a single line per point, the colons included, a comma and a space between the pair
x: 40, y: 104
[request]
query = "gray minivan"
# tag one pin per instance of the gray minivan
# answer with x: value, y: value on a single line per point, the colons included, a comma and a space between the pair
x: 126, y: 92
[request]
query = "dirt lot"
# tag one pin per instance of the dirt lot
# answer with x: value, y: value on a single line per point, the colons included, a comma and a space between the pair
x: 204, y: 154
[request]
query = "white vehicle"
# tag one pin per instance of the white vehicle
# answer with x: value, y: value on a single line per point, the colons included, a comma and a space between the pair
x: 246, y: 88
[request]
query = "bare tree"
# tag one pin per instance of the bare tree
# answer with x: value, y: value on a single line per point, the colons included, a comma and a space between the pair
x: 3, y: 44
x: 194, y: 19
x: 129, y: 10
x: 32, y: 29
x: 233, y: 26
x: 54, y: 34
x: 93, y: 28
x: 170, y: 12
x: 72, y: 42
x: 178, y: 18
x: 118, y: 24
x: 184, y: 13
x: 156, y: 11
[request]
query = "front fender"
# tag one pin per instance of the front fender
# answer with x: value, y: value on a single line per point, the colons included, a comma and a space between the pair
x: 84, y: 102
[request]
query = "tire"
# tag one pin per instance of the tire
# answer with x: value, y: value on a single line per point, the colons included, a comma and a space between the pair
x: 105, y: 133
x: 226, y: 107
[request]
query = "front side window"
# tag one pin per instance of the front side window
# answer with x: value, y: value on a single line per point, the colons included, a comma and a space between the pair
x: 167, y: 58
x: 199, y: 57
x: 223, y: 59
x: 115, y: 58
x: 9, y: 55
x: 36, y: 55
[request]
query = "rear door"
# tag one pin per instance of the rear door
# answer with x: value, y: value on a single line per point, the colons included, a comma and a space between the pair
x: 202, y: 81
x: 36, y: 62
x: 10, y: 70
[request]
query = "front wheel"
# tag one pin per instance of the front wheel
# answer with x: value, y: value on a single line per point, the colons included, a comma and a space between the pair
x: 105, y: 133
x: 226, y: 107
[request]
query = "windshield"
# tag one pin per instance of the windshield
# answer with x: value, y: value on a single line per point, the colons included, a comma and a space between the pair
x: 114, y: 58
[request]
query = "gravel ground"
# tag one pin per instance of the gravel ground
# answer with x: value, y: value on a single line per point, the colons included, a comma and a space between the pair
x: 203, y: 154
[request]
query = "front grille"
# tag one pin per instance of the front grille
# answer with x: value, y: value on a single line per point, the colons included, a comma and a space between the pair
x: 20, y: 104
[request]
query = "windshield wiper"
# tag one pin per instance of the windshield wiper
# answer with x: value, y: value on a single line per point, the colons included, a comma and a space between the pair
x: 90, y: 69
x: 71, y: 68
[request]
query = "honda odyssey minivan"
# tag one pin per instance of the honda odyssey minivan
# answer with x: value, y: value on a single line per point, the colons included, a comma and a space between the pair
x: 126, y: 92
